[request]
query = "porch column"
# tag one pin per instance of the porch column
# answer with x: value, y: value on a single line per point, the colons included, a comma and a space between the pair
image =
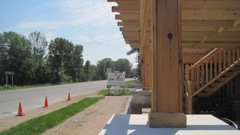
x: 147, y: 64
x: 167, y: 95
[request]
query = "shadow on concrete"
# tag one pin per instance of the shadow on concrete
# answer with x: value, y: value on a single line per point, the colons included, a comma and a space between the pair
x: 128, y: 125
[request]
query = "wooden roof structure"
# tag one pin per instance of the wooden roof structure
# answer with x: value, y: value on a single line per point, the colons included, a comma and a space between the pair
x: 206, y: 24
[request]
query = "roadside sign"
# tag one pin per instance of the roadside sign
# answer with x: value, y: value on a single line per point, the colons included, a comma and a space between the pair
x: 116, y: 79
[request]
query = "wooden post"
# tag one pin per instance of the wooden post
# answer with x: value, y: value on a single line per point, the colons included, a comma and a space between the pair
x: 147, y: 81
x: 142, y: 65
x: 167, y: 95
x: 189, y: 91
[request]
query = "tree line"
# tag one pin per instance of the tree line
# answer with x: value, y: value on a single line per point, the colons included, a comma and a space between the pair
x: 34, y: 60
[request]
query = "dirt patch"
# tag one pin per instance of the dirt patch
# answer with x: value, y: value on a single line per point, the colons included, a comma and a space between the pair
x: 13, y: 120
x: 93, y: 119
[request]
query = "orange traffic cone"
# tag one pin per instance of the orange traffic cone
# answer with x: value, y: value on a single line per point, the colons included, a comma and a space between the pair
x: 20, y: 111
x: 69, y: 97
x: 46, y: 102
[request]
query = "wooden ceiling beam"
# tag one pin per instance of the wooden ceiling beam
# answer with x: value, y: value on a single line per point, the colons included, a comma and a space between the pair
x: 129, y: 23
x: 208, y: 23
x: 216, y: 38
x: 196, y: 14
x: 127, y: 17
x: 211, y: 45
x: 210, y: 4
x: 236, y: 23
x: 131, y: 9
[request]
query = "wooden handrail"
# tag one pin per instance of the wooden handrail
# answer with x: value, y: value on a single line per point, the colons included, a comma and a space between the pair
x: 210, y: 68
x: 215, y: 78
x: 203, y: 59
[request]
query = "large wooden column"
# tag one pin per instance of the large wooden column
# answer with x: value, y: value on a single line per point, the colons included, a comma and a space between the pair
x: 147, y: 64
x: 167, y: 95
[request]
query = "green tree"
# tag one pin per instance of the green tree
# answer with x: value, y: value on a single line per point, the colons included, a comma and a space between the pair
x: 39, y: 50
x: 87, y: 71
x: 132, y: 51
x: 77, y: 63
x: 124, y: 65
x: 65, y: 60
x: 60, y: 59
x: 17, y: 49
x: 102, y: 66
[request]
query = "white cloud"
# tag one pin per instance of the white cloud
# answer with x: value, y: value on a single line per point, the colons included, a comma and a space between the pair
x: 91, y: 12
x: 39, y: 24
x: 50, y: 35
x: 77, y: 13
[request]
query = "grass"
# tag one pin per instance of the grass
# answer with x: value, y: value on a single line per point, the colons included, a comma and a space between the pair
x: 40, y: 124
x: 130, y: 84
x: 9, y: 87
x: 105, y: 92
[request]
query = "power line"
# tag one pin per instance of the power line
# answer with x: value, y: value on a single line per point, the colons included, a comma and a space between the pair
x: 101, y: 41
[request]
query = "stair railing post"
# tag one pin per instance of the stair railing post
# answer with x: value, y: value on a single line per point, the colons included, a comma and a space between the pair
x: 189, y: 91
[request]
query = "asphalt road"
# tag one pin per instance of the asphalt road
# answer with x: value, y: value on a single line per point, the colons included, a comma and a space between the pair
x: 34, y: 97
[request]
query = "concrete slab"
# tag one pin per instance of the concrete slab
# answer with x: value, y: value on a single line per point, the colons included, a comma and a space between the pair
x: 196, y: 125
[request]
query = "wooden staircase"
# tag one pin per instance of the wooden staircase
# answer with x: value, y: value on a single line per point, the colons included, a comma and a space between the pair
x: 210, y: 73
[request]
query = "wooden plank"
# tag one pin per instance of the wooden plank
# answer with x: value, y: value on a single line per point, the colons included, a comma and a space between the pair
x: 220, y: 62
x: 224, y: 59
x: 206, y: 74
x: 187, y: 75
x: 215, y: 65
x: 206, y: 4
x: 147, y: 56
x: 195, y: 14
x: 198, y: 76
x: 211, y: 68
x: 132, y: 16
x: 233, y: 55
x: 229, y: 57
x: 238, y: 53
x: 144, y: 22
x: 192, y: 80
x: 211, y: 45
x: 236, y: 23
x: 202, y: 75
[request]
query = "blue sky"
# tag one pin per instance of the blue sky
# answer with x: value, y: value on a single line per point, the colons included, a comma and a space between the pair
x: 86, y: 22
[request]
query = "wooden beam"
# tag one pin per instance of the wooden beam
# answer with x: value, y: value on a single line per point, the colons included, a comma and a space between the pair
x: 211, y: 45
x: 126, y: 9
x: 219, y: 38
x: 204, y: 23
x: 191, y: 58
x: 127, y: 17
x: 129, y: 23
x: 196, y: 14
x: 236, y: 23
x: 135, y: 45
x: 220, y: 29
x: 144, y: 22
x: 130, y: 29
x: 213, y: 5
